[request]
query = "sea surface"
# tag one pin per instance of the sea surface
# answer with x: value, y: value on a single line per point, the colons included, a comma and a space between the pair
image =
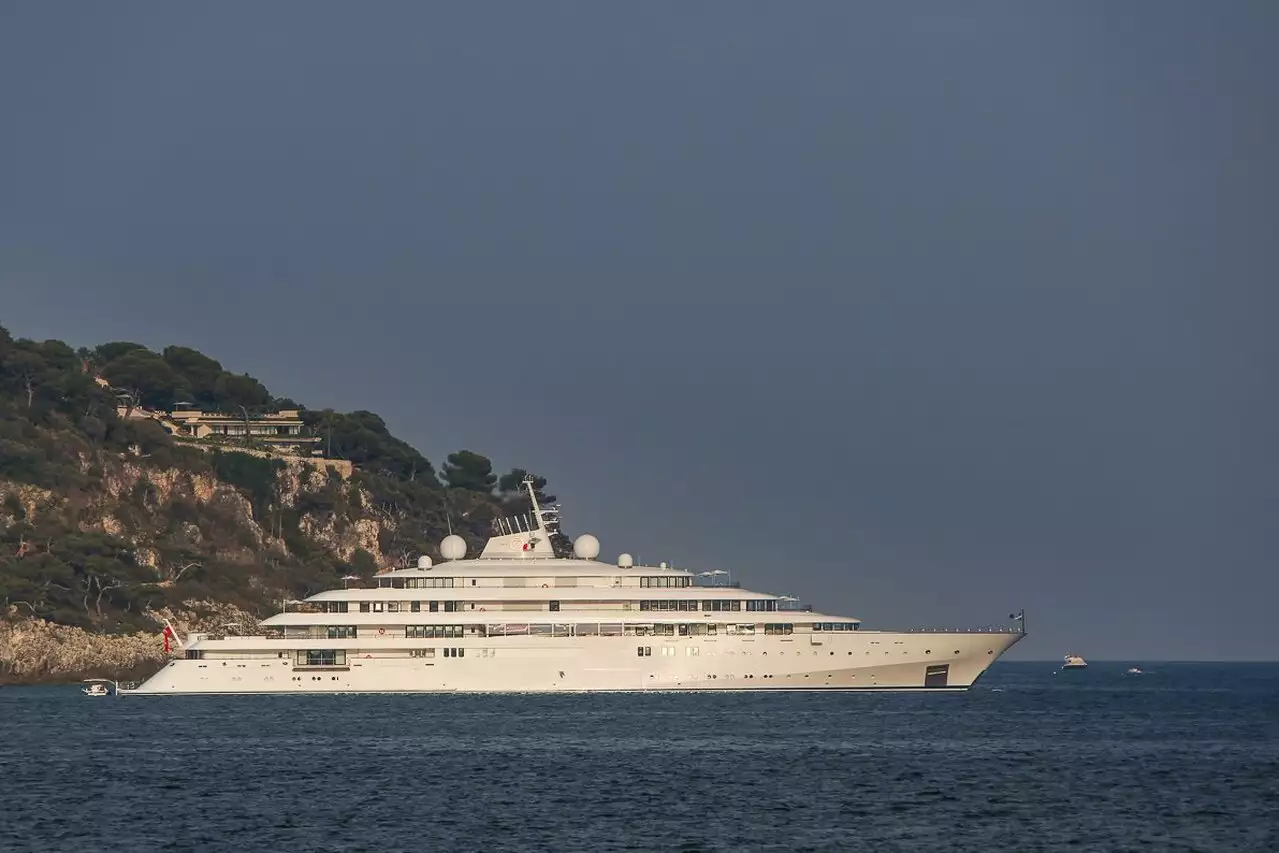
x: 1183, y: 757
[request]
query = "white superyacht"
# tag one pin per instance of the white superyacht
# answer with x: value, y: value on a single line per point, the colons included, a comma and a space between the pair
x: 535, y: 613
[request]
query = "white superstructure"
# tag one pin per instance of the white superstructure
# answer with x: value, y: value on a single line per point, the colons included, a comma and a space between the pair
x: 529, y: 616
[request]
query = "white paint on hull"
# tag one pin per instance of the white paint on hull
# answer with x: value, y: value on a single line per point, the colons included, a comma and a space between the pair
x: 862, y: 660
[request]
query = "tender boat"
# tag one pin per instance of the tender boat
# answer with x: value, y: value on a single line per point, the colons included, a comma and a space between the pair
x: 537, y: 612
x: 1074, y: 662
x: 97, y: 688
x: 1133, y: 671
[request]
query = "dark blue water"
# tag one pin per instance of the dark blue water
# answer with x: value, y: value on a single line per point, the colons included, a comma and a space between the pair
x: 1185, y: 757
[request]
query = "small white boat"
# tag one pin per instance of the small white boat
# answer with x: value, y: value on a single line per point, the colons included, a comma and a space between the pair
x: 1133, y: 671
x: 97, y: 687
x: 1074, y: 662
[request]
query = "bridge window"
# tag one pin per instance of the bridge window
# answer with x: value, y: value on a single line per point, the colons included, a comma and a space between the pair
x: 322, y: 657
x: 341, y: 632
x: 666, y: 582
x: 430, y: 583
x: 689, y: 605
x: 430, y: 632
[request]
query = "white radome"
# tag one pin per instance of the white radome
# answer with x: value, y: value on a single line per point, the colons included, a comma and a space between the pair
x: 586, y: 547
x: 424, y: 562
x: 453, y: 547
x: 625, y: 561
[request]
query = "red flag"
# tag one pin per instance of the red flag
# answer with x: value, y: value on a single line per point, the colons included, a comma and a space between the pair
x: 166, y: 639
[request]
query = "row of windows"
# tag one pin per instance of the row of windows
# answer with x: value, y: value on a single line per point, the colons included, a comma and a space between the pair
x: 615, y: 629
x: 449, y: 653
x: 449, y: 583
x: 416, y: 583
x: 715, y: 605
x: 411, y: 606
x: 676, y: 581
x: 669, y: 604
x: 322, y: 657
x: 428, y: 632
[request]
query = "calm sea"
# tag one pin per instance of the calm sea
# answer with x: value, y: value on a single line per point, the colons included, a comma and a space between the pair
x: 1184, y: 757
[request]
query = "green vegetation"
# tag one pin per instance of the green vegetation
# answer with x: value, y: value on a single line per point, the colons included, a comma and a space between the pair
x: 104, y: 518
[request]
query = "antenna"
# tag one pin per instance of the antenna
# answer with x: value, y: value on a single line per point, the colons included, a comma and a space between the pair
x: 532, y: 496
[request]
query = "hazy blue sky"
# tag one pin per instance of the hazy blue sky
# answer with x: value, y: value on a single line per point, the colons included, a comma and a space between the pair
x: 922, y: 312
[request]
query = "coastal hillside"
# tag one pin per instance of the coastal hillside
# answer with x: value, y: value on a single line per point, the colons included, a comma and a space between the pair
x: 138, y: 486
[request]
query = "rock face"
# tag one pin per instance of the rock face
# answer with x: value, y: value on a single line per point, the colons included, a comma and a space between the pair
x: 33, y: 651
x: 87, y: 578
x: 113, y: 515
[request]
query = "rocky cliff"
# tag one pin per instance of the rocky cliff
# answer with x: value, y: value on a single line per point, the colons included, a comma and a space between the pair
x: 109, y: 524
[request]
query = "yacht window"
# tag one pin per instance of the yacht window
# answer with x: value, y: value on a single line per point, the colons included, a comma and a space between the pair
x: 364, y: 607
x: 472, y: 581
x: 377, y: 607
x: 393, y: 607
x: 435, y: 606
x: 415, y: 607
x: 397, y: 583
x: 555, y: 606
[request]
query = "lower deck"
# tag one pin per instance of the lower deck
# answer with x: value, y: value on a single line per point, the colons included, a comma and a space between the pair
x: 857, y: 661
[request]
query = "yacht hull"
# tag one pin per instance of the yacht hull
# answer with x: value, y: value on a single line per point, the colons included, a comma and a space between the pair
x: 858, y: 660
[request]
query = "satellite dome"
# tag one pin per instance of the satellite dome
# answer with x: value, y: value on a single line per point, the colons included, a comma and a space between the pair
x: 453, y: 547
x: 424, y: 562
x: 625, y: 561
x: 586, y: 547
